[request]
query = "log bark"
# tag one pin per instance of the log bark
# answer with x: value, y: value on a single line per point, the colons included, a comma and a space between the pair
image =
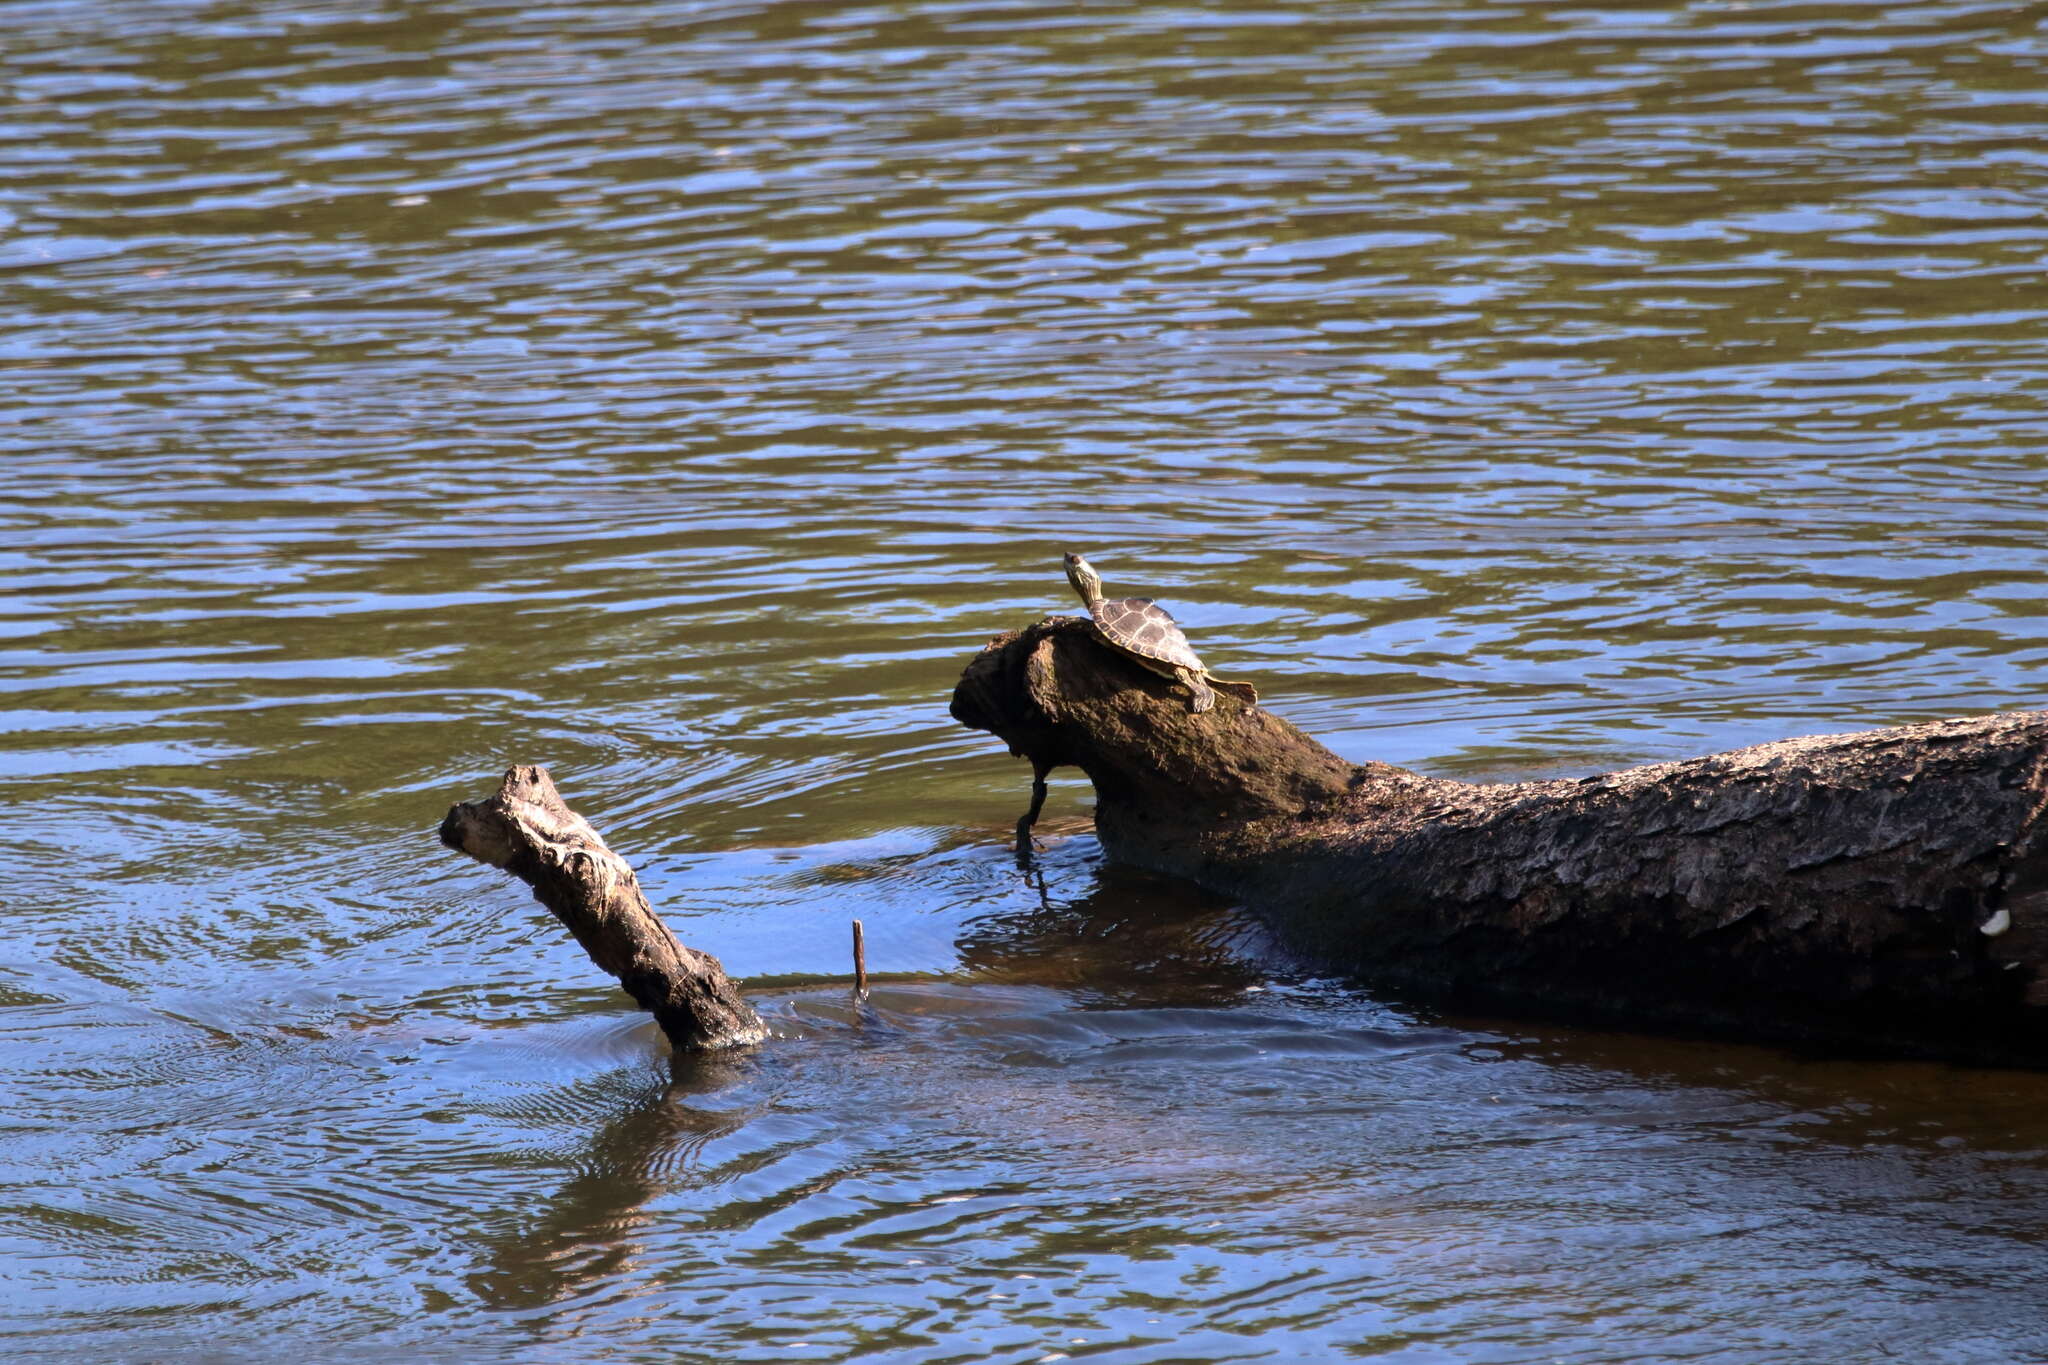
x: 528, y: 830
x: 1887, y: 888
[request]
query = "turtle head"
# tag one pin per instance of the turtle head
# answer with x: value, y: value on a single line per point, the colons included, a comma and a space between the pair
x: 1086, y: 581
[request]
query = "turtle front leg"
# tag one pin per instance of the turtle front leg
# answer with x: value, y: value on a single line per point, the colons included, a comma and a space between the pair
x: 1195, y: 683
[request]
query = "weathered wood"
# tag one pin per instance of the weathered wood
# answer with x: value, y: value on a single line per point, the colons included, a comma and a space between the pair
x: 1889, y: 887
x: 528, y: 830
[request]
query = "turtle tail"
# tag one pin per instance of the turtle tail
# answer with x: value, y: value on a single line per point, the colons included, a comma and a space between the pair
x: 1204, y: 698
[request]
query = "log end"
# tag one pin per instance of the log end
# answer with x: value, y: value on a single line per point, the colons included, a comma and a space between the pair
x: 525, y: 815
x: 1058, y: 696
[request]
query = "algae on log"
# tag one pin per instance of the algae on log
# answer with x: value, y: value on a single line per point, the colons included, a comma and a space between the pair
x: 528, y: 830
x: 1886, y: 888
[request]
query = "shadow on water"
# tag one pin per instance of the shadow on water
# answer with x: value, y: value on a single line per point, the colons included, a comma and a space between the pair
x: 588, y: 1230
x: 1121, y: 1015
x: 1131, y: 938
x: 1129, y: 941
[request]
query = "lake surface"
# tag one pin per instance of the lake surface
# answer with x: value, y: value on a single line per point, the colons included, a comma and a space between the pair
x: 678, y: 395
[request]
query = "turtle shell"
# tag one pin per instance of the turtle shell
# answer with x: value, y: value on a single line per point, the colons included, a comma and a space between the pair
x: 1142, y: 626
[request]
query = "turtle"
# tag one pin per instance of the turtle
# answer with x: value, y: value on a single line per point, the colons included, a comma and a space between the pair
x: 1142, y: 629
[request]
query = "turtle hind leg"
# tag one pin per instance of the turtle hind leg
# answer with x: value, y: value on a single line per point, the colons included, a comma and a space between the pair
x: 1203, y: 698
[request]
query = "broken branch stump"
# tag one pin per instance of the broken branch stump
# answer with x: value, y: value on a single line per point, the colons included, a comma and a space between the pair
x: 528, y: 830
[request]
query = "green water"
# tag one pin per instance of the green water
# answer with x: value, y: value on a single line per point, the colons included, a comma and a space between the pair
x: 678, y: 395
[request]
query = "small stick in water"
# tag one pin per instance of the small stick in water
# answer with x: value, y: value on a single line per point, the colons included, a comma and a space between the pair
x: 1030, y: 817
x: 860, y: 963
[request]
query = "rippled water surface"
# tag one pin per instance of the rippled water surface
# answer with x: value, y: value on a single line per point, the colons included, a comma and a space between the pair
x: 678, y: 394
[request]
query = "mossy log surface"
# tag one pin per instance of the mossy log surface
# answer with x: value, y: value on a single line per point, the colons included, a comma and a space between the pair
x: 1887, y: 888
x: 528, y: 830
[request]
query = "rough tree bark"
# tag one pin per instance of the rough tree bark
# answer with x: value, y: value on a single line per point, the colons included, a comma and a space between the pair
x: 1885, y: 888
x: 528, y: 830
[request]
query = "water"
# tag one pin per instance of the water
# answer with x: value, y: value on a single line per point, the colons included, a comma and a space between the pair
x: 678, y: 395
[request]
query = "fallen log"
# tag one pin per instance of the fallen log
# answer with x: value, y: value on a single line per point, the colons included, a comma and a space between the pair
x: 528, y: 830
x: 1887, y: 888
